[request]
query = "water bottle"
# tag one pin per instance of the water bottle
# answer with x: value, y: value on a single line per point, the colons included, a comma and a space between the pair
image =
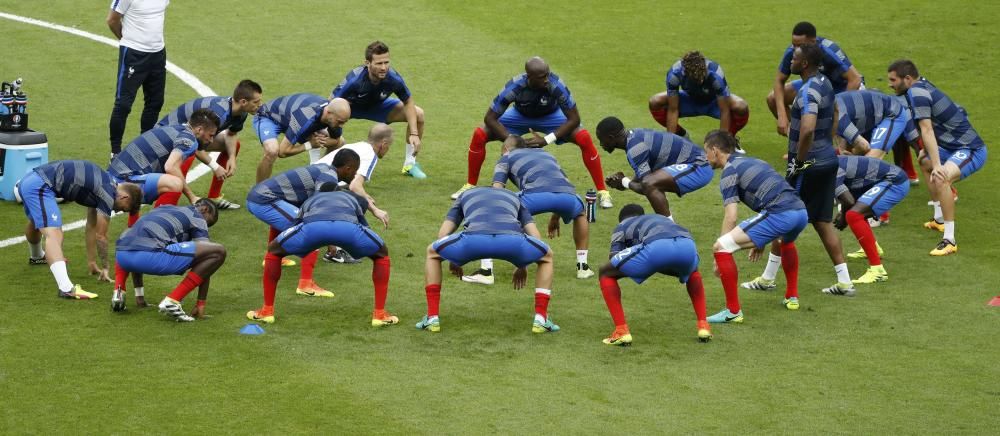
x: 20, y: 103
x: 591, y: 205
x: 7, y: 100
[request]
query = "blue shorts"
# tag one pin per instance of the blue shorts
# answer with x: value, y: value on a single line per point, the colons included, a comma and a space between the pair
x: 567, y: 206
x: 968, y: 160
x: 886, y: 133
x: 676, y: 257
x: 174, y: 259
x: 266, y: 129
x: 279, y: 214
x: 519, y: 124
x: 147, y: 183
x: 356, y: 239
x: 689, y: 177
x: 767, y: 226
x: 39, y: 202
x: 884, y: 196
x: 689, y: 107
x: 461, y: 248
x: 378, y: 112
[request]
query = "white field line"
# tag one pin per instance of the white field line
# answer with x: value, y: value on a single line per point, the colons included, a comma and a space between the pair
x: 183, y: 75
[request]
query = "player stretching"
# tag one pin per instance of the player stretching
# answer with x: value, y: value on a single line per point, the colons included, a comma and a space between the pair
x: 371, y: 150
x: 368, y: 89
x: 541, y: 104
x: 834, y: 64
x: 873, y: 124
x: 543, y: 188
x: 308, y: 122
x: 497, y: 226
x: 169, y: 241
x: 233, y: 112
x: 153, y: 160
x: 331, y: 218
x: 696, y: 86
x: 84, y: 183
x: 643, y: 245
x: 781, y: 215
x: 952, y: 150
x: 663, y: 162
x: 868, y: 187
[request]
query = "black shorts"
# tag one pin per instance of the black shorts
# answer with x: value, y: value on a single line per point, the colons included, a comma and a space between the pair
x: 816, y: 187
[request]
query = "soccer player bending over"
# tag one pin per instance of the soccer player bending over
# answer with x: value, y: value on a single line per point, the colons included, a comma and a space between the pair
x: 538, y: 102
x: 873, y: 124
x: 663, y: 162
x: 643, y: 245
x: 309, y: 123
x: 952, y: 150
x: 169, y: 241
x: 233, y: 112
x: 331, y: 218
x: 781, y: 215
x: 84, y: 183
x: 497, y: 226
x: 543, y: 188
x: 153, y: 160
x: 868, y: 187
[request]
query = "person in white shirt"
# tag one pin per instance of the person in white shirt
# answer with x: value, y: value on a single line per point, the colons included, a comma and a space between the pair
x: 142, y: 61
x: 374, y: 148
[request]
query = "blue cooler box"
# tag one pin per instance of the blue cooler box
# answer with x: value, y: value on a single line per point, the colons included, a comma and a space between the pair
x: 20, y: 152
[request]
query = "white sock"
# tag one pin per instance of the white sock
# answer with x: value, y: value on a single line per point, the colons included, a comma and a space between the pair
x: 139, y: 292
x: 315, y: 154
x: 409, y: 158
x: 771, y: 269
x: 938, y: 216
x: 949, y: 231
x: 842, y: 275
x: 486, y: 264
x: 62, y: 277
x: 36, y: 250
x: 581, y: 256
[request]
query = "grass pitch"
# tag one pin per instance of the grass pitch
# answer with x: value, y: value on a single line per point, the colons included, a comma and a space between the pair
x: 916, y: 354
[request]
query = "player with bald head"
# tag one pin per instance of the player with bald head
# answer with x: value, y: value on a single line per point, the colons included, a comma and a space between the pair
x: 542, y: 105
x: 308, y: 121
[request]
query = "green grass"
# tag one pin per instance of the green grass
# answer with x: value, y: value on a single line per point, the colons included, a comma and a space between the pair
x: 915, y: 355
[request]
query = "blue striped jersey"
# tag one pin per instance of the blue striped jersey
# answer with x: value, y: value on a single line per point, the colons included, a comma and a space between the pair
x: 150, y: 151
x: 835, y: 63
x: 298, y: 115
x: 533, y: 103
x: 294, y: 186
x: 757, y: 185
x: 222, y: 106
x: 858, y: 174
x: 358, y: 89
x: 333, y: 206
x: 859, y: 112
x: 489, y: 211
x: 532, y: 170
x: 82, y: 182
x: 713, y: 87
x: 163, y: 226
x: 951, y: 122
x: 644, y: 229
x: 814, y: 98
x: 649, y: 150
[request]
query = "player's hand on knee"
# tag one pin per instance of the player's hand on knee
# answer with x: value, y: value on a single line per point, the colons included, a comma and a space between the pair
x: 520, y: 277
x: 456, y: 270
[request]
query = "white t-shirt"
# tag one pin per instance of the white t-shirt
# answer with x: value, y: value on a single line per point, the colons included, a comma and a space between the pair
x: 142, y: 23
x: 368, y: 158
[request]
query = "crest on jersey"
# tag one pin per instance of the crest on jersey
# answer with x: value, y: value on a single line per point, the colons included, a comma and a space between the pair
x: 383, y: 95
x: 543, y: 101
